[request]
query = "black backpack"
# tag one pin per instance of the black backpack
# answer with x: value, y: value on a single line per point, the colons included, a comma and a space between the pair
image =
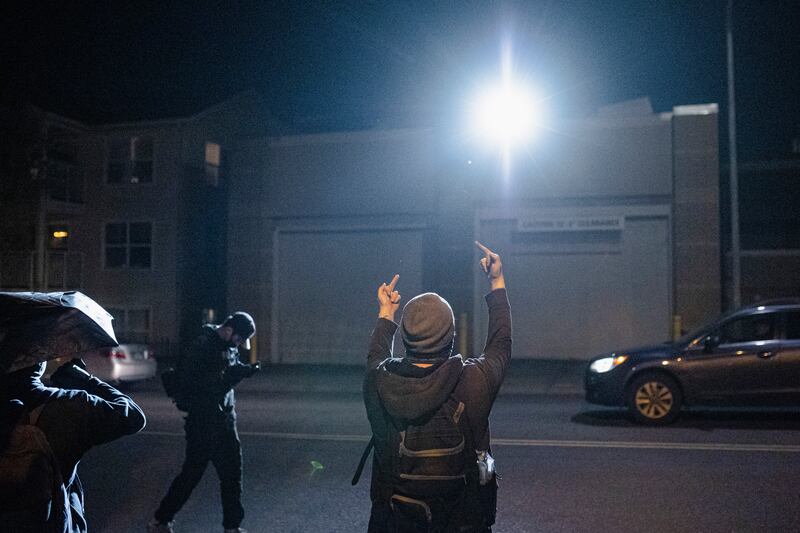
x: 433, y: 458
x: 32, y: 492
x: 434, y: 477
x: 174, y: 386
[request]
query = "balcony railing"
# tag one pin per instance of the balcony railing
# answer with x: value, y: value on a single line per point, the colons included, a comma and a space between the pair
x: 17, y: 271
x: 63, y: 271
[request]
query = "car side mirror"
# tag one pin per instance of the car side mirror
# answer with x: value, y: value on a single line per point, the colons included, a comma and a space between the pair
x: 710, y: 342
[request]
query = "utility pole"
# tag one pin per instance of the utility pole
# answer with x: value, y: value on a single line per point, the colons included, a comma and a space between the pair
x: 734, y: 170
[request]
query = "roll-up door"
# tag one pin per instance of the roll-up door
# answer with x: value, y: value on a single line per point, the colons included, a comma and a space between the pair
x: 326, y: 283
x: 575, y: 294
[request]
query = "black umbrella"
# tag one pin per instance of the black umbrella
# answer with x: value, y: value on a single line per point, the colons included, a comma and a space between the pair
x: 38, y: 326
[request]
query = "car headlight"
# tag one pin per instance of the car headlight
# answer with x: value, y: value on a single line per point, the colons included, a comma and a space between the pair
x: 607, y: 363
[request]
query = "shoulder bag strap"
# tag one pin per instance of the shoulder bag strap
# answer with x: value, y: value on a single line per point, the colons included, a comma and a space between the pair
x: 363, y: 461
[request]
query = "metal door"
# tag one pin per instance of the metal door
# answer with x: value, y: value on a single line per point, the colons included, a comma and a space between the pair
x: 324, y: 307
x: 587, y: 293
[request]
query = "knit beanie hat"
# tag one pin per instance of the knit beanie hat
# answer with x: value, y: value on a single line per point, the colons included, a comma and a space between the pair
x: 428, y: 326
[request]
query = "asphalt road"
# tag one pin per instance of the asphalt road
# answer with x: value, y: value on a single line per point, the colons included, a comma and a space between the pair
x: 565, y: 466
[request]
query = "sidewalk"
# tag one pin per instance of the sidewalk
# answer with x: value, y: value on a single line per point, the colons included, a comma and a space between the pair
x: 552, y: 377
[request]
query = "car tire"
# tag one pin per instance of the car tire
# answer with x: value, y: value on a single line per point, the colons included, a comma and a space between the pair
x: 654, y: 398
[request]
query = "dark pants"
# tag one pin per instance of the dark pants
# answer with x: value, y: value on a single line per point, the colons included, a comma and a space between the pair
x: 216, y: 441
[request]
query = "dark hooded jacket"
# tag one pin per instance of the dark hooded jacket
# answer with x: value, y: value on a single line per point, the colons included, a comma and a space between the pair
x: 394, y: 388
x: 206, y: 368
x: 73, y: 422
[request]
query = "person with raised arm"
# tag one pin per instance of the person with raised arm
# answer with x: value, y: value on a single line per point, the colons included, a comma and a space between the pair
x: 429, y: 412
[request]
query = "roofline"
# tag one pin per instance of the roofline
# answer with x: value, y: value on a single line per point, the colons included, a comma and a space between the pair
x: 141, y: 124
x: 177, y: 121
x: 342, y: 136
x: 55, y: 117
x: 786, y: 163
x: 248, y: 93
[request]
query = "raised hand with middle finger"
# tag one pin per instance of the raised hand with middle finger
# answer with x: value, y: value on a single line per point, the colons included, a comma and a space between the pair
x: 388, y: 299
x: 492, y: 266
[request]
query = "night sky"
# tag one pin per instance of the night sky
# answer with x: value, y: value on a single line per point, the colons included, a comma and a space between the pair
x: 343, y: 65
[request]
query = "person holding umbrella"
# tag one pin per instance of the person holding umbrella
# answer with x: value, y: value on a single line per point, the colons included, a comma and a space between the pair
x: 79, y: 412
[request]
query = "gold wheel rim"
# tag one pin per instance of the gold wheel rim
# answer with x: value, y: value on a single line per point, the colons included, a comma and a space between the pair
x: 654, y: 400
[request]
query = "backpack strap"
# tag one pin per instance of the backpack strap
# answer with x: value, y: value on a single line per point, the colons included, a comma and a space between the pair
x: 362, y: 462
x: 60, y: 505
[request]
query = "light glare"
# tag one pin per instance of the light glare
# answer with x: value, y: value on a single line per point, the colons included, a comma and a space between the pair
x: 505, y: 115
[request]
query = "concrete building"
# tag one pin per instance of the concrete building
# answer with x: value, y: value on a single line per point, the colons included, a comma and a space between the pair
x: 769, y: 192
x: 610, y: 230
x: 135, y: 215
x: 609, y: 226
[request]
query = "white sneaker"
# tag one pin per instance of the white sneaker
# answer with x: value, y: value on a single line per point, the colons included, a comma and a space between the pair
x: 157, y: 527
x: 235, y: 530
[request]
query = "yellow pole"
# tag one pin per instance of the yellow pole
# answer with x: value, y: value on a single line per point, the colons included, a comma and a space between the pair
x: 676, y: 327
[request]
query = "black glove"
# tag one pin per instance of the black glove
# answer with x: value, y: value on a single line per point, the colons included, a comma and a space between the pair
x: 72, y: 375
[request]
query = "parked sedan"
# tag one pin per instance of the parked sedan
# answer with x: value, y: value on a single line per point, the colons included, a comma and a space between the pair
x: 123, y: 364
x: 748, y: 357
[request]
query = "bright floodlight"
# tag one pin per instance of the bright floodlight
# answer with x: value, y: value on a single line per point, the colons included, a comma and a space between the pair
x: 505, y: 115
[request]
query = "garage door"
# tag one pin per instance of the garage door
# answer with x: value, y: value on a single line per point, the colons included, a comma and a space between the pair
x: 575, y: 294
x: 327, y: 281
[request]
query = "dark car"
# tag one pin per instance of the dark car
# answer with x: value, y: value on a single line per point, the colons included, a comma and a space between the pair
x: 745, y: 358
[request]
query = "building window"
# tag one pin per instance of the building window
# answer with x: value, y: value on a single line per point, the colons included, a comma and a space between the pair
x: 130, y: 160
x: 58, y: 236
x: 748, y: 329
x: 60, y: 162
x: 128, y: 245
x: 131, y: 325
x: 213, y: 163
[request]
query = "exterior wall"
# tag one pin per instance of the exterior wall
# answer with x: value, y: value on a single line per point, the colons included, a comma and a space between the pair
x: 189, y: 219
x: 625, y: 164
x: 352, y: 173
x: 770, y: 275
x: 215, y: 246
x: 580, y: 293
x: 769, y: 192
x: 598, y: 158
x: 203, y: 209
x: 40, y: 184
x: 698, y: 280
x: 153, y: 288
x: 351, y: 180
